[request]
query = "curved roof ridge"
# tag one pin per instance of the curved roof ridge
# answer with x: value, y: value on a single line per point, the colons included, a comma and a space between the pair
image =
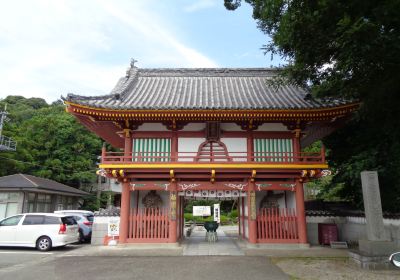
x: 220, y: 88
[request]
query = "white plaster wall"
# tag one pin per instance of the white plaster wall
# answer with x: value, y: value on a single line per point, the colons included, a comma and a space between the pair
x: 272, y: 127
x: 236, y: 145
x: 230, y: 127
x: 188, y: 147
x: 351, y: 229
x: 152, y: 127
x: 194, y: 127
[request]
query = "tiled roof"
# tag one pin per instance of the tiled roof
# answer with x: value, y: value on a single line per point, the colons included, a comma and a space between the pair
x: 202, y: 89
x: 23, y: 181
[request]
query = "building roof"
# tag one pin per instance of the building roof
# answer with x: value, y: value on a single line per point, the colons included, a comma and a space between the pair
x: 25, y: 182
x: 203, y: 89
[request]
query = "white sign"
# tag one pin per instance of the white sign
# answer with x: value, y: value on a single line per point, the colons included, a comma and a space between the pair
x: 201, y: 211
x: 217, y: 216
x: 113, y: 226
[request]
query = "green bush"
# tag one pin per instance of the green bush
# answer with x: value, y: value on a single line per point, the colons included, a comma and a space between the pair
x: 234, y: 214
x: 225, y: 220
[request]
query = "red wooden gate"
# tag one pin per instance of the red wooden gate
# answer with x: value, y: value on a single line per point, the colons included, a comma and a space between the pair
x: 148, y: 225
x: 276, y: 225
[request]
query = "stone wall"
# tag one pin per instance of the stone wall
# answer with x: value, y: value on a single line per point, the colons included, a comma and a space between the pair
x: 99, y: 229
x: 351, y: 229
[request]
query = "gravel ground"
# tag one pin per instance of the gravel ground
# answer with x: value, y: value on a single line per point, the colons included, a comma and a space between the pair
x: 329, y: 269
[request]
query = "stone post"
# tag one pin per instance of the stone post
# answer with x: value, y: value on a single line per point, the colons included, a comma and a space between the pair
x: 377, y: 243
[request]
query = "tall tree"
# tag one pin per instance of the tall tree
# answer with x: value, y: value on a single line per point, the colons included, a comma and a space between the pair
x: 351, y: 49
x: 50, y: 143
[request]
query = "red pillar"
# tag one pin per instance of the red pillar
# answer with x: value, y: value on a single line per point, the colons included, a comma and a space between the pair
x: 126, y: 194
x: 174, y: 146
x: 125, y: 206
x: 172, y: 213
x: 127, y: 145
x: 251, y: 208
x: 300, y: 211
x: 250, y: 146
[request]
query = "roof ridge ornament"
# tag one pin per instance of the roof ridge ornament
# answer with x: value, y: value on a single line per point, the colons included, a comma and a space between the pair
x: 133, y: 61
x: 132, y: 67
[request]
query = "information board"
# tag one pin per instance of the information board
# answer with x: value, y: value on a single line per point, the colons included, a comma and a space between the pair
x: 201, y: 211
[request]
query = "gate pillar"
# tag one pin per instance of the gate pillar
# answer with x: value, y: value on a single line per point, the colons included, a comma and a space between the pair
x: 125, y: 206
x: 173, y: 196
x: 252, y: 212
x: 301, y: 214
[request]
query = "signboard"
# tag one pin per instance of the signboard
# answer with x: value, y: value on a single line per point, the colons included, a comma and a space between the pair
x: 201, y: 210
x: 217, y: 216
x: 113, y: 226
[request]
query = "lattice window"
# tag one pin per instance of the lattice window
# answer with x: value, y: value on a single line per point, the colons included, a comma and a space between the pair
x: 152, y: 149
x: 273, y: 150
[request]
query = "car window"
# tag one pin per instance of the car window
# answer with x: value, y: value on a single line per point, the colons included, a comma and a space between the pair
x: 12, y: 221
x: 50, y: 220
x: 77, y: 218
x: 33, y: 220
x: 90, y: 218
x: 68, y: 220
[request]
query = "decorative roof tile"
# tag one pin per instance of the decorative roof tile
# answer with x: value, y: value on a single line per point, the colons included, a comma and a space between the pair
x: 203, y: 89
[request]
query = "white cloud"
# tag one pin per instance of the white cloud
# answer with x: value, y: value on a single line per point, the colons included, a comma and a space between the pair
x: 198, y: 5
x: 49, y: 48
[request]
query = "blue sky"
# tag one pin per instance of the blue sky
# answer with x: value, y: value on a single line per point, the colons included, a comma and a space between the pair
x: 49, y: 48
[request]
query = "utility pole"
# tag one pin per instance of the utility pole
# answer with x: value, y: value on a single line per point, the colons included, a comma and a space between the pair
x: 6, y: 143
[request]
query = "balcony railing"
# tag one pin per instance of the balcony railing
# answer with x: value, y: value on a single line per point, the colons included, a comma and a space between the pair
x: 217, y: 157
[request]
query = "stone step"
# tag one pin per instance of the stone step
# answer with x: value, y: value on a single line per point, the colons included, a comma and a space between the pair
x: 339, y: 245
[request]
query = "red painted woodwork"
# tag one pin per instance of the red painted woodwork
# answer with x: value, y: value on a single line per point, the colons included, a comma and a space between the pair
x: 276, y: 225
x: 252, y: 223
x: 301, y: 213
x: 148, y: 225
x: 202, y: 134
x: 327, y: 233
x: 212, y: 151
x: 227, y: 158
x: 124, y: 214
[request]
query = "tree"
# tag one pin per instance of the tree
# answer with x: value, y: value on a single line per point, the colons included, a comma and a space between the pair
x: 50, y: 143
x: 347, y: 49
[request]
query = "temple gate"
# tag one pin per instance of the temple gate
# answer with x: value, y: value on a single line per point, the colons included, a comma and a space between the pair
x: 210, y: 132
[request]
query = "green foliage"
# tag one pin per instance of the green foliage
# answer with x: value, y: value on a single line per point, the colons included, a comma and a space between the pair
x: 234, y: 214
x: 50, y: 143
x: 201, y: 202
x: 351, y: 49
x: 224, y: 219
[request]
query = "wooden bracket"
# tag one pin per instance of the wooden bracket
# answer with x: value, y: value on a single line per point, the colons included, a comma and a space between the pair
x: 253, y: 175
x: 172, y: 175
x: 114, y: 173
x: 212, y: 175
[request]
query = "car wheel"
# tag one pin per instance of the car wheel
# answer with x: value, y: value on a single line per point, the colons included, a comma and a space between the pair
x: 43, y: 243
x: 81, y: 237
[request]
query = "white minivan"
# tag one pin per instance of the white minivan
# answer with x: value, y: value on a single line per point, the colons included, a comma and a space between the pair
x: 40, y: 230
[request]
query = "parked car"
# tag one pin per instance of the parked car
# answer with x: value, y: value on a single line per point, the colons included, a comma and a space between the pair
x: 41, y: 230
x: 85, y: 222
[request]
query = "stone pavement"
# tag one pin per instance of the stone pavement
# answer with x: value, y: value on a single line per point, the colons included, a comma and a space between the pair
x: 196, y: 245
x: 149, y: 268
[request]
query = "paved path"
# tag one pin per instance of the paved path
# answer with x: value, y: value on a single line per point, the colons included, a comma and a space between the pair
x: 196, y: 245
x: 149, y: 268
